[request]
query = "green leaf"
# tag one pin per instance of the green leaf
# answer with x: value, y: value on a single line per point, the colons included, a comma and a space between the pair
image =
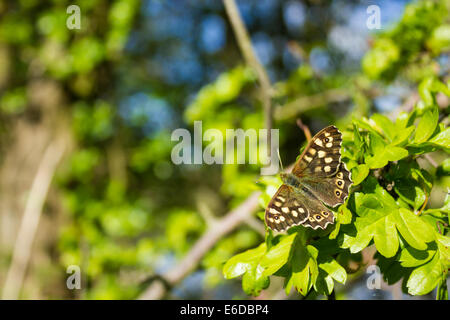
x: 380, y: 225
x: 427, y: 125
x: 334, y: 269
x: 324, y: 283
x: 402, y: 135
x: 247, y: 263
x: 425, y: 278
x: 359, y: 173
x: 415, y: 231
x: 385, y: 125
x: 383, y: 154
x: 395, y: 153
x: 278, y: 255
x: 411, y: 257
x: 243, y: 262
x: 442, y: 139
x: 254, y: 281
x: 304, y: 269
x: 344, y: 215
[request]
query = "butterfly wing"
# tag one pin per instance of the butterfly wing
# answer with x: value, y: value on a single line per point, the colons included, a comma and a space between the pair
x: 330, y: 190
x: 322, y: 155
x: 289, y: 207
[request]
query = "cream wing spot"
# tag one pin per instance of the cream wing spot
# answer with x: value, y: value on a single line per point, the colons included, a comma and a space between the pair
x: 273, y: 211
x: 308, y: 159
x: 327, y: 169
x: 312, y: 151
x: 322, y: 154
x: 328, y: 160
x: 294, y: 213
x: 277, y: 203
x: 317, y: 169
x: 329, y: 145
x: 285, y: 209
x: 301, y: 210
x: 318, y: 142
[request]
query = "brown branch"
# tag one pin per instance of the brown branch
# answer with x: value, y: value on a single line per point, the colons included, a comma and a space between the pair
x: 30, y: 220
x: 216, y: 231
x: 302, y: 104
x: 245, y: 45
x: 305, y: 129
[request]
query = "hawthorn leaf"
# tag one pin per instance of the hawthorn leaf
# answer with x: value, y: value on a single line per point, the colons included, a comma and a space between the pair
x: 427, y: 125
x: 385, y: 125
x: 359, y: 173
x: 415, y: 231
x: 426, y: 277
x: 254, y: 281
x: 243, y: 262
x: 334, y: 269
x: 278, y: 255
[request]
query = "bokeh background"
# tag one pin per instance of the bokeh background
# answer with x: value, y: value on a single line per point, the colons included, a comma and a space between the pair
x: 86, y: 117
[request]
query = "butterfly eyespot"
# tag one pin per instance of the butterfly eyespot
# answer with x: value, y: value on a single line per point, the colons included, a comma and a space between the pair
x: 338, y: 193
x: 339, y: 183
x: 276, y: 217
x: 325, y: 213
x: 318, y: 217
x: 327, y: 140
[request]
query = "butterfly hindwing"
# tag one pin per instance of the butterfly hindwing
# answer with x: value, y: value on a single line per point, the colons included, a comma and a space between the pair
x: 284, y: 210
x: 289, y: 207
x: 322, y: 155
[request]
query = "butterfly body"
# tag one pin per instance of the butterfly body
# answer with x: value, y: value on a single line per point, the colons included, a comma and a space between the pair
x: 318, y: 179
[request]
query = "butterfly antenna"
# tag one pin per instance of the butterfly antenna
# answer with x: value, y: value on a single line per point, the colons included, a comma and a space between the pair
x: 279, y: 158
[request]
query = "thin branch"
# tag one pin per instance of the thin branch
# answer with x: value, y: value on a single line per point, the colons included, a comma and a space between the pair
x: 305, y: 129
x: 216, y: 232
x: 30, y: 219
x: 245, y: 45
x: 302, y: 104
x: 430, y: 160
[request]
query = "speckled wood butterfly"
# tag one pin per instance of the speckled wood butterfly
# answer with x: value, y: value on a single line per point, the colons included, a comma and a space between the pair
x: 318, y: 178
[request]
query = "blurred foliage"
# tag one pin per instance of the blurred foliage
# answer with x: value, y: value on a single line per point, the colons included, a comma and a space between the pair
x: 136, y: 70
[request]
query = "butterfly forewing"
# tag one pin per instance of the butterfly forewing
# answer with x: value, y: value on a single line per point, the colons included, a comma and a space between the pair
x: 322, y: 155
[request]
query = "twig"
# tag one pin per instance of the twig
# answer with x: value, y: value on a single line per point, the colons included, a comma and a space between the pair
x: 302, y: 104
x: 245, y: 45
x: 30, y: 219
x: 430, y: 160
x: 305, y: 129
x: 216, y: 231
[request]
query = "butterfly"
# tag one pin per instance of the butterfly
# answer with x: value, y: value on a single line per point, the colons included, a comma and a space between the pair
x: 318, y: 179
